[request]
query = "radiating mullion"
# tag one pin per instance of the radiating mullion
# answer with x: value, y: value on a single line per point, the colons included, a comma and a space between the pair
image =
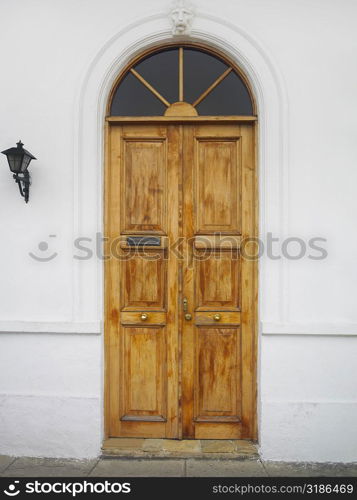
x: 150, y: 87
x: 211, y: 87
x: 181, y: 91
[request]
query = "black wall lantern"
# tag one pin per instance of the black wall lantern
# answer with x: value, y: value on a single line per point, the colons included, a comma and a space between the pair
x: 19, y: 160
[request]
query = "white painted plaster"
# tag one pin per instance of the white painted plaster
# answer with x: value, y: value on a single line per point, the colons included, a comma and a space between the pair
x: 299, y: 57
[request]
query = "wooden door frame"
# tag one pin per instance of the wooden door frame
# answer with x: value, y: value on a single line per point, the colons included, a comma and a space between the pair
x: 112, y: 121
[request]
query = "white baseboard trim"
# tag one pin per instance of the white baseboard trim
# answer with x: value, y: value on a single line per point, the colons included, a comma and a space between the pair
x: 96, y: 328
x: 74, y: 327
x: 337, y: 329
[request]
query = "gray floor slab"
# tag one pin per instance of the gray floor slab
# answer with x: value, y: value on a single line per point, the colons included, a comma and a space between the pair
x: 297, y: 469
x: 139, y: 468
x: 47, y: 467
x: 5, y: 461
x: 224, y: 468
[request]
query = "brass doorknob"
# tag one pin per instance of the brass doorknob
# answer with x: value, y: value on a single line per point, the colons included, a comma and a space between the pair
x: 188, y: 317
x: 144, y: 317
x: 217, y: 317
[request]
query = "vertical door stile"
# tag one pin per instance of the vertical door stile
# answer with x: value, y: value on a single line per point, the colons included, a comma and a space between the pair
x: 178, y: 246
x: 111, y: 284
x: 188, y: 292
x: 173, y: 313
x: 249, y: 276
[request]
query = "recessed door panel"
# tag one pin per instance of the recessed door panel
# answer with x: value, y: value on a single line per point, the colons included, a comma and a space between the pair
x: 144, y: 278
x: 144, y: 374
x: 144, y: 189
x: 217, y: 380
x: 217, y: 174
x: 217, y: 280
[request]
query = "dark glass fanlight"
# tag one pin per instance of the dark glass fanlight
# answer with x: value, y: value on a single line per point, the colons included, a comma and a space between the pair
x: 205, y: 82
x: 19, y: 160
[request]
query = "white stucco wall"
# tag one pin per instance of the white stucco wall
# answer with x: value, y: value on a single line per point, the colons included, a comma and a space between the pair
x: 58, y: 60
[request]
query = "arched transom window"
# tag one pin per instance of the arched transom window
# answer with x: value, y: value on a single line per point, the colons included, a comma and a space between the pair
x: 181, y: 81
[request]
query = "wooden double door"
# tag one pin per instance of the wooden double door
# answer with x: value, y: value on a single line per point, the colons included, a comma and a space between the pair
x: 180, y: 290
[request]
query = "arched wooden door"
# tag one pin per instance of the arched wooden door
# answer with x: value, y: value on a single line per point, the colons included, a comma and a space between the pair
x: 180, y: 290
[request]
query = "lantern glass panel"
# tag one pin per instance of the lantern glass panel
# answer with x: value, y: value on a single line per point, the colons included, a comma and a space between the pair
x: 25, y: 162
x: 15, y: 161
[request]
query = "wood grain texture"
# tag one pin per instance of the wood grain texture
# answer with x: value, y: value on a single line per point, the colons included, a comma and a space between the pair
x: 181, y: 119
x: 135, y: 318
x: 112, y: 273
x: 142, y: 360
x: 107, y: 306
x: 225, y: 430
x: 215, y: 169
x: 217, y: 378
x: 173, y: 429
x: 144, y: 187
x: 218, y: 357
x: 226, y: 318
x: 181, y: 109
x: 144, y: 374
x: 144, y: 281
x: 218, y: 189
x: 223, y: 242
x: 249, y: 285
x: 188, y: 360
x: 217, y: 283
x: 152, y: 188
x: 167, y: 376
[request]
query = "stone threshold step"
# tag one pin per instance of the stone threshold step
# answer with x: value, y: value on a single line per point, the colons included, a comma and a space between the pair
x: 187, y: 448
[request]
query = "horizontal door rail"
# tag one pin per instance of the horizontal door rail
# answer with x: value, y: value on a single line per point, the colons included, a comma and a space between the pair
x: 180, y: 119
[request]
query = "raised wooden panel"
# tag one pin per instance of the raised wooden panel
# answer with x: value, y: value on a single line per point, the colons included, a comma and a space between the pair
x: 217, y: 375
x: 217, y: 185
x: 144, y: 375
x: 225, y: 318
x: 144, y: 186
x: 135, y: 318
x: 217, y: 280
x: 224, y: 430
x: 144, y: 281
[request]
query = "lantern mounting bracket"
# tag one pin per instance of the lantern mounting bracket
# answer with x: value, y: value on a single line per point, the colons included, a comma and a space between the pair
x: 24, y: 182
